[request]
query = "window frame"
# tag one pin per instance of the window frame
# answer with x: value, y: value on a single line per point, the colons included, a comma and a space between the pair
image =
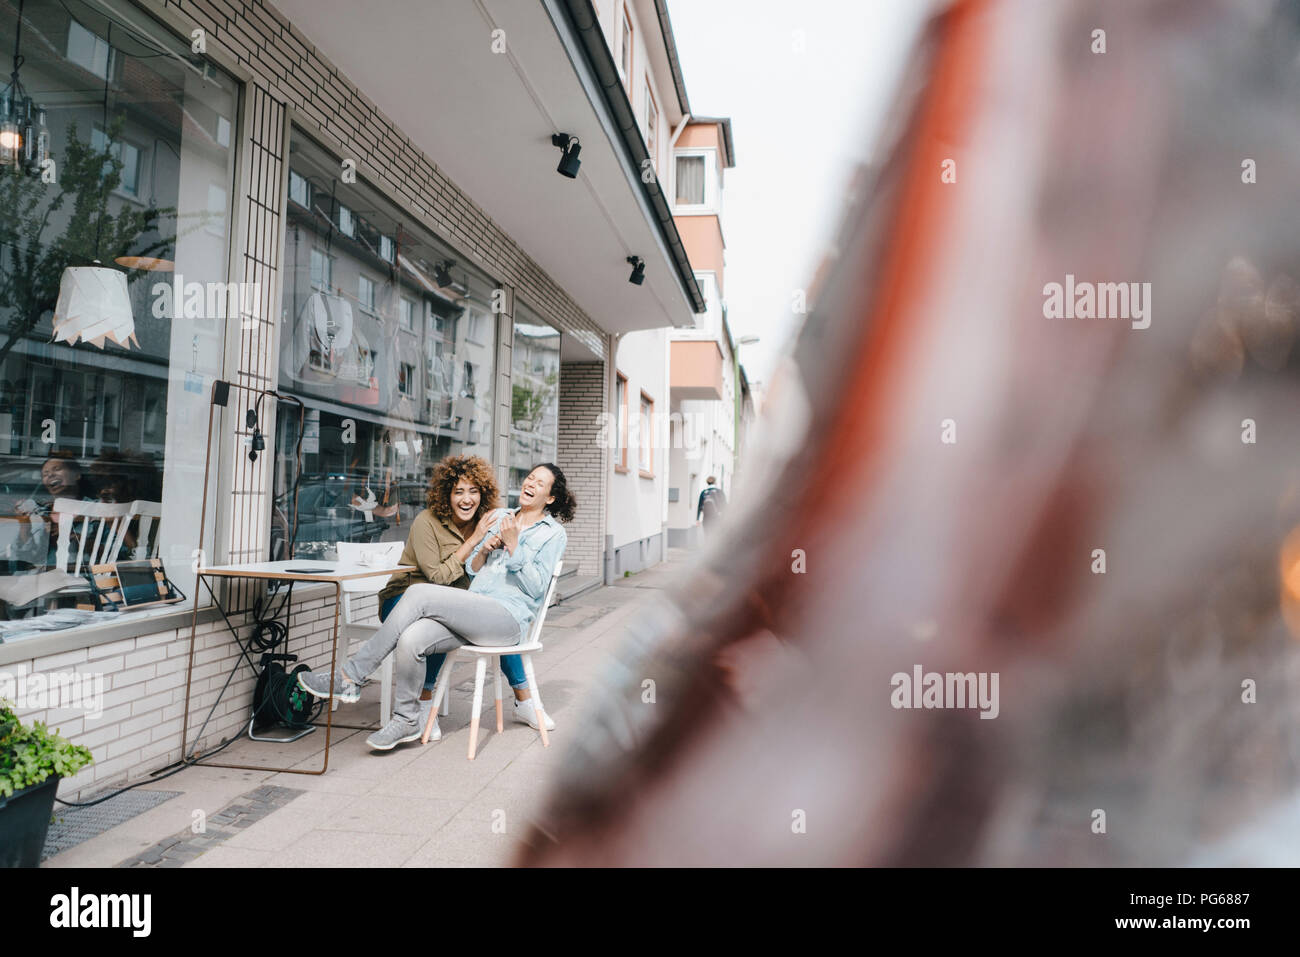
x: 710, y: 157
x: 652, y: 131
x: 626, y: 47
x: 622, y: 420
x: 646, y: 429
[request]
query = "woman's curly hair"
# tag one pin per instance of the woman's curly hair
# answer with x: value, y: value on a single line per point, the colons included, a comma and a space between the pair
x: 450, y: 471
x: 565, y: 504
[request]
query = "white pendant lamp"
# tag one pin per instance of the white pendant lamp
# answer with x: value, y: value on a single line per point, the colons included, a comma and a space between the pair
x: 94, y: 305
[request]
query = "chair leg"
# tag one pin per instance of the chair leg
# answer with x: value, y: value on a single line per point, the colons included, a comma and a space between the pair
x: 480, y: 672
x: 386, y: 691
x: 440, y: 694
x: 497, y: 668
x: 445, y: 708
x: 537, y: 699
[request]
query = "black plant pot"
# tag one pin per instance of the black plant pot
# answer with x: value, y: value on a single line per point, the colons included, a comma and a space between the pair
x: 24, y: 820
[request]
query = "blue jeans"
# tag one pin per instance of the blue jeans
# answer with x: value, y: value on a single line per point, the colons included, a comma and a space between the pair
x: 511, y: 665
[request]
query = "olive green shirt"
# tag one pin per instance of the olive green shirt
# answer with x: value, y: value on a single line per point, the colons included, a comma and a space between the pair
x: 431, y: 547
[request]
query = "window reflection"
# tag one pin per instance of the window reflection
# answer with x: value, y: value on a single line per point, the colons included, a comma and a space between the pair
x: 108, y: 408
x: 534, y: 398
x: 394, y: 366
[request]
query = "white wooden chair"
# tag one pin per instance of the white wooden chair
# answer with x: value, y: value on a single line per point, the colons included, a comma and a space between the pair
x: 110, y: 521
x: 480, y: 654
x: 147, y: 512
x: 383, y: 552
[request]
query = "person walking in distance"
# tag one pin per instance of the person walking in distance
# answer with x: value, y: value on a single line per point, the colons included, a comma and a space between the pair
x: 712, y: 502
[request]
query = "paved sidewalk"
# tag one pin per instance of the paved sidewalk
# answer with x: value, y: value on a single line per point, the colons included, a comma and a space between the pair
x: 415, y: 806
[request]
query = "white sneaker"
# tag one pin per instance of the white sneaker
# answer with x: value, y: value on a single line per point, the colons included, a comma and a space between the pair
x: 425, y: 708
x: 526, y: 711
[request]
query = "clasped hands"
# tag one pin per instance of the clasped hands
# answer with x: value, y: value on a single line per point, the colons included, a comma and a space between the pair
x: 507, y: 535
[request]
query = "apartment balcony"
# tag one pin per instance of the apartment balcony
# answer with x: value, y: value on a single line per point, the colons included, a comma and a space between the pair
x: 696, y: 369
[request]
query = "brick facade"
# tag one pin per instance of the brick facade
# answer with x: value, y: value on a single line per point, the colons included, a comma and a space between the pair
x: 584, y: 395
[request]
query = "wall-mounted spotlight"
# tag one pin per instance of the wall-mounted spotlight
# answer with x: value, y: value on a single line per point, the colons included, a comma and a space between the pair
x: 442, y: 273
x: 638, y: 270
x: 569, y: 162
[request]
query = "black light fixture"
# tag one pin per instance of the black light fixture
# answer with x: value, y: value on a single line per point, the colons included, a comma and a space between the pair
x: 258, y: 443
x: 569, y: 162
x: 442, y: 273
x: 638, y: 270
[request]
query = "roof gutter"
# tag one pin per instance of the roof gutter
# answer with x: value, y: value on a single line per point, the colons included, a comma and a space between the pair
x: 579, y: 17
x: 674, y: 64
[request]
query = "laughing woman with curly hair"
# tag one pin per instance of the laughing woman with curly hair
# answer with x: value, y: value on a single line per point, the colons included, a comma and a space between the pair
x: 512, y: 566
x: 462, y: 498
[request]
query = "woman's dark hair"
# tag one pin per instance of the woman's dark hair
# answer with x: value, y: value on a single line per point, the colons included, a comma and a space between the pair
x: 450, y: 471
x: 565, y: 503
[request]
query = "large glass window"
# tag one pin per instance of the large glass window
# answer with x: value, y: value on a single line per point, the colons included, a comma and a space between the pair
x: 535, y: 397
x: 113, y: 193
x: 395, y: 367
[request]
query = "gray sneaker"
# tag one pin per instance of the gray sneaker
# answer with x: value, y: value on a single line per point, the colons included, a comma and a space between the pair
x: 318, y: 684
x: 397, y: 731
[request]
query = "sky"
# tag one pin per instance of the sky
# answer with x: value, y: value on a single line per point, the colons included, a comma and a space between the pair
x: 806, y: 86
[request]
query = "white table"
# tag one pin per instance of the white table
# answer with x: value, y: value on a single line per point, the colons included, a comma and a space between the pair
x: 290, y: 570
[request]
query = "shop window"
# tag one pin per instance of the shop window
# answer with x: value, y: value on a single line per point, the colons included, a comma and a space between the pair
x: 381, y: 355
x: 535, y: 397
x: 114, y: 410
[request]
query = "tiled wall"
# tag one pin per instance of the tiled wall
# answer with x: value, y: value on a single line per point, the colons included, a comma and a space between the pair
x: 584, y: 395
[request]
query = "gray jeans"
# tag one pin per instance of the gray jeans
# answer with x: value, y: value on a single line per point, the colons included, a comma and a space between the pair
x: 430, y: 619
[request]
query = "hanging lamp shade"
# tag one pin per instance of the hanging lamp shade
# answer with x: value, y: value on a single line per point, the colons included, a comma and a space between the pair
x: 94, y: 305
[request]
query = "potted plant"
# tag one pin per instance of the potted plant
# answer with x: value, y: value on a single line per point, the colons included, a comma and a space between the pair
x: 32, y: 759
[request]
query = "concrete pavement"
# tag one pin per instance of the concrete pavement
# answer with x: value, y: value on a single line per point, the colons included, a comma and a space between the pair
x: 415, y: 806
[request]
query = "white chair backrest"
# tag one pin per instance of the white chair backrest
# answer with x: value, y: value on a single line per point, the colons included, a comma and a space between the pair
x: 377, y: 553
x: 109, y: 520
x: 147, y: 512
x: 535, y: 632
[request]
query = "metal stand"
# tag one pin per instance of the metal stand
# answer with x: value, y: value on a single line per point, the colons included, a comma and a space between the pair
x: 220, y: 396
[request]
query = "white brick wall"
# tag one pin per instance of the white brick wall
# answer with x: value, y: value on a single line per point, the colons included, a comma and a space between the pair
x: 583, y: 397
